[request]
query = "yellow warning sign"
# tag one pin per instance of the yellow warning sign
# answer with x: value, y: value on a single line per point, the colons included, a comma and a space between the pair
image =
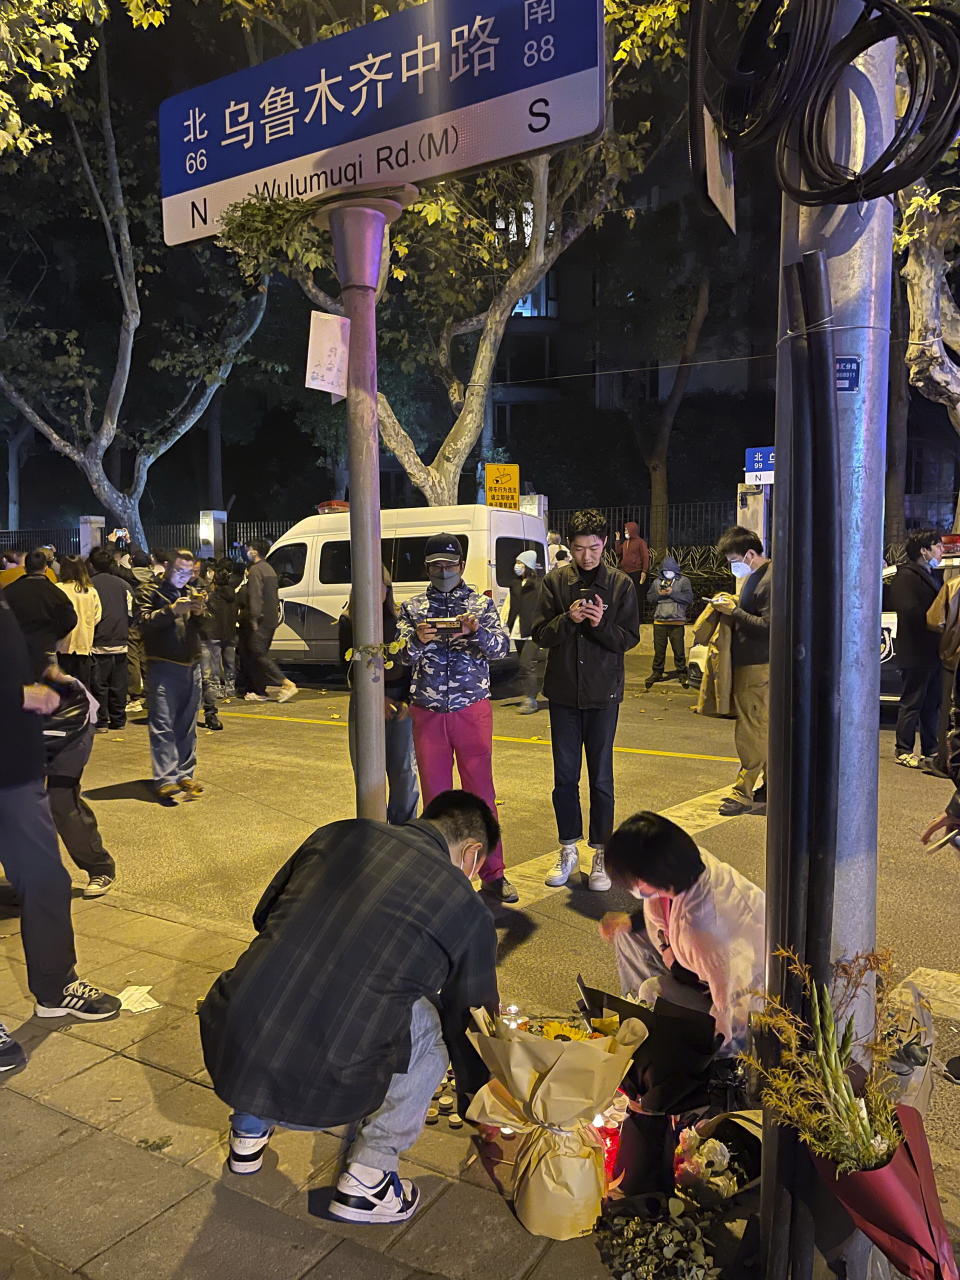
x: 502, y: 484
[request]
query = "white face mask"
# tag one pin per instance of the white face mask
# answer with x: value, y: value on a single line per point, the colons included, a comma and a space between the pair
x: 518, y: 569
x: 740, y: 570
x: 644, y: 897
x: 935, y: 563
x: 669, y: 575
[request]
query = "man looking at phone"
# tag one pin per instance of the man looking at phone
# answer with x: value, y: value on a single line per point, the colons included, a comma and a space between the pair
x: 587, y: 619
x: 169, y: 614
x: 449, y: 635
x: 750, y: 651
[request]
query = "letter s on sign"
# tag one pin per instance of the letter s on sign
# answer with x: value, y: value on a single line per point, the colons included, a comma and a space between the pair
x: 537, y: 113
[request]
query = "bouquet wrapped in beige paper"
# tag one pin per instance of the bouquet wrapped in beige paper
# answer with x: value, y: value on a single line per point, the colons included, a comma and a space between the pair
x: 549, y: 1092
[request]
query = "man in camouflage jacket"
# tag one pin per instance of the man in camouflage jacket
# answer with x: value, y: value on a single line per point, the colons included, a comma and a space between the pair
x: 450, y: 686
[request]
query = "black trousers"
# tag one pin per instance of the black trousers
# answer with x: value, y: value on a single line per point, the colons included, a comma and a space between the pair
x: 533, y: 662
x: 573, y: 733
x: 663, y: 632
x: 259, y: 668
x: 79, y: 665
x: 919, y: 709
x: 30, y: 857
x: 77, y: 827
x: 110, y: 689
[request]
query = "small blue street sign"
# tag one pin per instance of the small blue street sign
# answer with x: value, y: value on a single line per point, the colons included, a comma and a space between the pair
x: 848, y: 372
x: 436, y: 89
x: 759, y: 462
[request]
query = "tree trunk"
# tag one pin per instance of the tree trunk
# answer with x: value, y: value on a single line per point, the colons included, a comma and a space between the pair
x: 214, y: 422
x: 898, y: 409
x: 659, y: 499
x: 15, y: 445
x: 655, y: 452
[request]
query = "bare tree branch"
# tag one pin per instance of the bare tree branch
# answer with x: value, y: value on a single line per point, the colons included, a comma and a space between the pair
x: 38, y: 423
x: 319, y: 297
x: 98, y: 202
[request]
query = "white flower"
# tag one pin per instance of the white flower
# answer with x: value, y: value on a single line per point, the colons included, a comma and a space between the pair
x: 688, y: 1142
x: 716, y: 1154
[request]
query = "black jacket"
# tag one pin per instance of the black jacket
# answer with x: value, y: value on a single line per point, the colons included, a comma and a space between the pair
x: 21, y: 732
x: 911, y: 593
x: 45, y: 616
x: 220, y: 619
x: 363, y: 921
x: 524, y: 598
x: 113, y: 629
x: 750, y: 645
x: 585, y: 663
x: 165, y: 635
x: 260, y: 602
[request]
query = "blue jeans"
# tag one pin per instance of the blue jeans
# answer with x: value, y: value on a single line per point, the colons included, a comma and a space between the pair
x: 573, y: 732
x: 173, y: 696
x: 403, y: 793
x: 396, y: 1124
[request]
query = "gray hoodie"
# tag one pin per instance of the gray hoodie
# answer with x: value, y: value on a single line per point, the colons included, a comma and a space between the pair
x: 673, y: 604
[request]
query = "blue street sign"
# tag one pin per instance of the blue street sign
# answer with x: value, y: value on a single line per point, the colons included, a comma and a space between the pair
x: 847, y: 370
x: 759, y: 462
x: 439, y: 88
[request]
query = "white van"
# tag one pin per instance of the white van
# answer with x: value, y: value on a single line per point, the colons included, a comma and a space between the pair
x: 312, y: 563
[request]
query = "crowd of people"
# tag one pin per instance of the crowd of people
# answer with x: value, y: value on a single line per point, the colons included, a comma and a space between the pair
x: 84, y: 642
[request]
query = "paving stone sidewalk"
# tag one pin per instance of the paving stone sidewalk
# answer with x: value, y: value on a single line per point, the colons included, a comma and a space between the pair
x: 113, y: 1145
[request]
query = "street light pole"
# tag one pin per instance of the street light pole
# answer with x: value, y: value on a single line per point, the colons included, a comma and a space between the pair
x: 357, y: 226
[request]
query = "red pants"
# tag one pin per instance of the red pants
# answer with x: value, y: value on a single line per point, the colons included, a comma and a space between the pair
x: 438, y: 736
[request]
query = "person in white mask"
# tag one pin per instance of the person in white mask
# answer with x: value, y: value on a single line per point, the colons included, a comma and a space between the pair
x: 699, y: 939
x: 750, y: 653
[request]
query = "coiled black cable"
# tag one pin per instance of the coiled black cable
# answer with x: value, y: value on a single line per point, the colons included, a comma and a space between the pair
x: 781, y: 80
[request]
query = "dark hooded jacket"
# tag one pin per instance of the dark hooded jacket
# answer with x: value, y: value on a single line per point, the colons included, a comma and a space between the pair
x: 673, y: 596
x: 633, y: 552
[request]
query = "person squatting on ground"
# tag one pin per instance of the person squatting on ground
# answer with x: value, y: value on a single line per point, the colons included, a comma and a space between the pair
x: 914, y: 588
x: 403, y: 795
x: 371, y: 950
x: 68, y: 741
x: 75, y: 650
x: 168, y: 615
x: 110, y: 640
x: 587, y: 619
x: 750, y: 654
x: 259, y: 613
x: 29, y: 853
x: 672, y: 594
x: 522, y: 610
x: 450, y: 634
x: 699, y: 939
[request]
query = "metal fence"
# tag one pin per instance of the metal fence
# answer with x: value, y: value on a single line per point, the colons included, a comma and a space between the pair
x: 688, y: 523
x: 242, y: 532
x: 166, y: 537
x: 67, y: 541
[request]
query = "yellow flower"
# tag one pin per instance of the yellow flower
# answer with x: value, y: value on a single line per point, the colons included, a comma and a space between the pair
x: 564, y: 1031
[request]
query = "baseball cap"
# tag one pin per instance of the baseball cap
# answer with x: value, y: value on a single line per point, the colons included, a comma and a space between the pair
x: 442, y: 546
x: 529, y: 558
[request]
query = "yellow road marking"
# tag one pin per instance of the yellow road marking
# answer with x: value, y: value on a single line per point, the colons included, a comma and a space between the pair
x: 537, y: 742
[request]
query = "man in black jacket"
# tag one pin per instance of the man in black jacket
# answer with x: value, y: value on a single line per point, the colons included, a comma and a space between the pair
x: 586, y: 620
x: 109, y: 684
x: 43, y: 611
x: 169, y: 615
x: 259, y: 611
x: 29, y: 853
x: 750, y: 654
x: 913, y: 590
x: 371, y: 950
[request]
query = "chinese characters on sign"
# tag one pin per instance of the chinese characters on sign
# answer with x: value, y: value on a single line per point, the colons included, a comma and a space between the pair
x: 502, y: 484
x: 435, y: 89
x: 759, y: 465
x: 848, y: 372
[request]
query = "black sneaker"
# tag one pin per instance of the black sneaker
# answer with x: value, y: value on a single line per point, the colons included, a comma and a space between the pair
x: 246, y: 1152
x: 731, y: 807
x: 12, y: 1054
x: 392, y: 1199
x: 931, y: 765
x: 500, y: 889
x: 81, y: 1000
x: 651, y: 681
x: 212, y: 721
x: 99, y: 885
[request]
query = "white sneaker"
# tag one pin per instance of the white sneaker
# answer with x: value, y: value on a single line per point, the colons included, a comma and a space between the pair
x: 287, y: 692
x: 568, y: 860
x: 909, y: 760
x: 246, y: 1153
x: 135, y: 705
x: 598, y: 878
x: 255, y: 697
x: 392, y: 1199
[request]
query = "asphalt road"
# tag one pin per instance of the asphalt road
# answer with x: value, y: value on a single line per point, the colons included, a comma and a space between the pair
x: 279, y: 771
